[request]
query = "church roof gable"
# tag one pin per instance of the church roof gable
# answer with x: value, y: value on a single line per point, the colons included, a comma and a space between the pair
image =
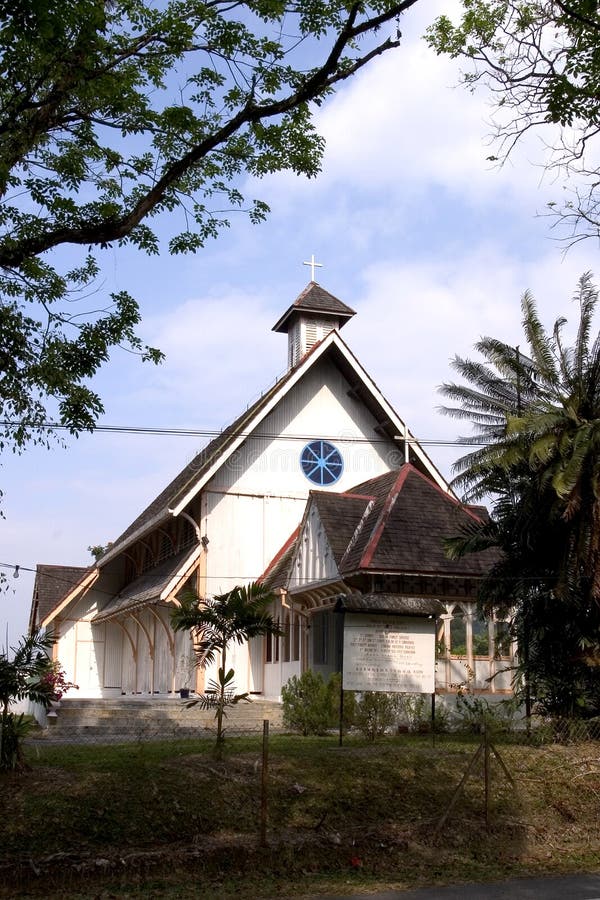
x: 339, y: 515
x: 314, y: 299
x: 87, y: 579
x: 186, y: 485
x: 395, y: 523
x: 193, y: 472
x: 411, y: 524
x: 51, y: 585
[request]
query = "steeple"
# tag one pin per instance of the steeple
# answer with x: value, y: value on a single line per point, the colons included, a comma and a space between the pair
x: 309, y: 319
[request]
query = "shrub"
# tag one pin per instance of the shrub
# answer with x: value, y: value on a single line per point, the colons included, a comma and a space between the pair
x: 376, y: 712
x: 306, y: 703
x: 312, y: 706
x: 476, y: 714
x: 15, y: 728
x: 413, y: 711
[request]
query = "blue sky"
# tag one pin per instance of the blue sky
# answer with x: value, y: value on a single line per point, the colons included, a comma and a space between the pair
x: 430, y: 245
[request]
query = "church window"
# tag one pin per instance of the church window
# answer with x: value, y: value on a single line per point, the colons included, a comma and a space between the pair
x: 187, y: 535
x: 320, y: 638
x: 481, y: 637
x: 458, y: 635
x: 321, y: 462
x: 502, y: 639
x: 166, y: 547
x: 268, y: 648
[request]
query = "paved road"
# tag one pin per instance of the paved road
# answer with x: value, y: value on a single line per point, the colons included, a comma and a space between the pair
x: 571, y: 887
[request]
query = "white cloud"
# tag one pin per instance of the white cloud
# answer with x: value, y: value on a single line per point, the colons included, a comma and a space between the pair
x: 414, y: 317
x: 405, y: 126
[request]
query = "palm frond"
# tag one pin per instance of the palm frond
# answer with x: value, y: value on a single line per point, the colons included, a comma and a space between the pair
x: 540, y: 345
x: 587, y: 297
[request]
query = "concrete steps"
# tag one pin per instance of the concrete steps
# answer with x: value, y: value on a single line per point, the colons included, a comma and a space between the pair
x: 112, y: 721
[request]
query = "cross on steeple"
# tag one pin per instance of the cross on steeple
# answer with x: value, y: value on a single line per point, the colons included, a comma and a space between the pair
x: 313, y: 265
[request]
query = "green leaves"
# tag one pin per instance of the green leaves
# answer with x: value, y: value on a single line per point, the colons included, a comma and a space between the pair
x: 540, y: 417
x: 236, y: 616
x: 113, y: 113
x: 215, y: 623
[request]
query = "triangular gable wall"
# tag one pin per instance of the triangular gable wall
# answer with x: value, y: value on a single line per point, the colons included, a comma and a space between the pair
x: 182, y: 490
x: 313, y: 560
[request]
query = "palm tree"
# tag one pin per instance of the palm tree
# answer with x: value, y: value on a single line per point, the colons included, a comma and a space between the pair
x: 216, y: 622
x: 21, y: 677
x: 537, y: 418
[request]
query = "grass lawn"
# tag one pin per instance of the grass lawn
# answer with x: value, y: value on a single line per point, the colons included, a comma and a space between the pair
x: 167, y: 820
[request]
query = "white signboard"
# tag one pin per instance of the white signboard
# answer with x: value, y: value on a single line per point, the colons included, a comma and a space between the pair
x: 389, y: 653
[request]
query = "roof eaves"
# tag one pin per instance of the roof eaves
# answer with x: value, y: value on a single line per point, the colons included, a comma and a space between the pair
x: 85, y: 582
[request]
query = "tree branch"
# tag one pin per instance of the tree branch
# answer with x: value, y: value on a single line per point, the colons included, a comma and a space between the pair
x: 14, y: 253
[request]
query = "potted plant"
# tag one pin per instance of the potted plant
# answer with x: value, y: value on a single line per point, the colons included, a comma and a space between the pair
x: 186, y: 671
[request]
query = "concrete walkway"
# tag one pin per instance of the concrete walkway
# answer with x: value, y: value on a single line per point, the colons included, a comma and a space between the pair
x: 569, y: 887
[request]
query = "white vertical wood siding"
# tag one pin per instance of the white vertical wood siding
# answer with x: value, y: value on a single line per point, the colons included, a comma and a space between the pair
x: 185, y: 668
x: 80, y: 648
x: 163, y: 658
x: 145, y: 663
x: 257, y: 499
x: 113, y: 657
x: 129, y: 683
x: 314, y: 560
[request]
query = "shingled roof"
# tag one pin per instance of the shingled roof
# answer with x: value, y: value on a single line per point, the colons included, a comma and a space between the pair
x: 158, y: 509
x: 407, y: 527
x: 340, y: 515
x: 51, y: 585
x: 397, y: 523
x: 315, y: 299
x: 384, y: 603
x: 278, y: 571
x: 145, y: 589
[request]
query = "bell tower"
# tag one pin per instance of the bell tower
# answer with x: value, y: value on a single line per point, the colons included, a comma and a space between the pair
x: 309, y: 319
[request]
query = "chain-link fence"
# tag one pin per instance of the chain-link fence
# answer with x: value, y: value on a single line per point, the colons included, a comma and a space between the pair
x: 368, y: 719
x: 156, y: 789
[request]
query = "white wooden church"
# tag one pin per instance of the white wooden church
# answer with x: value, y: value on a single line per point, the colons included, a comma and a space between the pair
x: 320, y: 489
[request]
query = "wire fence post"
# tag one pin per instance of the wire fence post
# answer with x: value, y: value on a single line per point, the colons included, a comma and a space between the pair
x: 486, y: 772
x: 264, y: 806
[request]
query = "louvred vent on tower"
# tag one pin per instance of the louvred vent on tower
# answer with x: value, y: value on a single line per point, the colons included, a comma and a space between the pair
x: 309, y: 319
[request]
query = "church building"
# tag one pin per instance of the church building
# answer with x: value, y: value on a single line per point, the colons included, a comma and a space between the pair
x: 320, y: 490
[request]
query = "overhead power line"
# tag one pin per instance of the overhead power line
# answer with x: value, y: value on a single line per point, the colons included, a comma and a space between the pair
x: 148, y: 576
x: 210, y: 433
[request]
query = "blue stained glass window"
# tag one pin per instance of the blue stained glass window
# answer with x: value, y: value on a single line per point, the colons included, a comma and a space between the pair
x: 321, y: 462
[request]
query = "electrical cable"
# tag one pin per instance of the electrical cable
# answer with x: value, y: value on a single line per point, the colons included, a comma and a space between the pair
x: 263, y: 435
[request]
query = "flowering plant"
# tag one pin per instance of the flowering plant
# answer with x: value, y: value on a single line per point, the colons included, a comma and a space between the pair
x: 54, y: 681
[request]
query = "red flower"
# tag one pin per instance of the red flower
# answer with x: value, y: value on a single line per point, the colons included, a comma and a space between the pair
x: 55, y: 682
